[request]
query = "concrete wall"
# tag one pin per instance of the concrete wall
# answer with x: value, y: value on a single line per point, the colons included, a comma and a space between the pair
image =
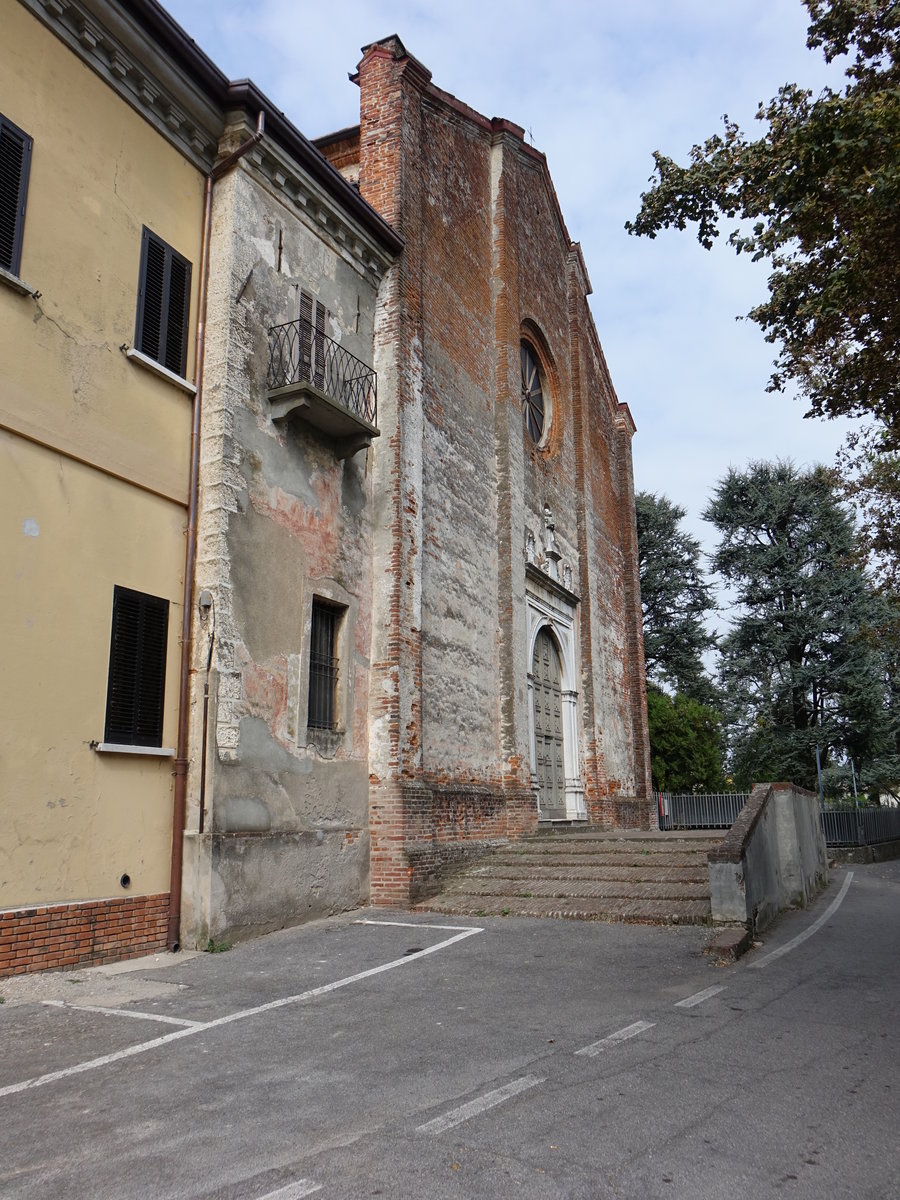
x: 282, y: 519
x: 772, y: 858
x: 93, y: 485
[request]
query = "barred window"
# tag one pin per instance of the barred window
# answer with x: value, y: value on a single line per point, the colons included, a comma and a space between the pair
x: 323, y: 664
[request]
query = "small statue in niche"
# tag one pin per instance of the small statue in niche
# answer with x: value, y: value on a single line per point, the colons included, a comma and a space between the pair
x: 552, y: 553
x: 530, y: 547
x: 567, y: 576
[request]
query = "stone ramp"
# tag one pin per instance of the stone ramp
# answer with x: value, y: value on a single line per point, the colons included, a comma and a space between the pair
x: 650, y: 878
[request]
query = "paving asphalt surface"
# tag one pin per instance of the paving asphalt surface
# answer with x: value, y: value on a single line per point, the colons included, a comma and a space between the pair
x: 530, y: 1059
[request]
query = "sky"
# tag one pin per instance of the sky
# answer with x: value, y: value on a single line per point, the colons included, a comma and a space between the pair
x: 598, y: 86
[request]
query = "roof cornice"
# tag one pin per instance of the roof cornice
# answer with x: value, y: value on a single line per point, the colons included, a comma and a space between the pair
x: 145, y: 56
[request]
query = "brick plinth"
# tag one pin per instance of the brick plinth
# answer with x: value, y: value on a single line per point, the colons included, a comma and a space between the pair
x: 439, y: 828
x: 85, y: 933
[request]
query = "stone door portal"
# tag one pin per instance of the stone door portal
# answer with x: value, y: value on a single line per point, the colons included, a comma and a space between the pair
x: 548, y: 728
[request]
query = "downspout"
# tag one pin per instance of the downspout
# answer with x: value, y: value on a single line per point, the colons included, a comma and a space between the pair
x: 181, y: 753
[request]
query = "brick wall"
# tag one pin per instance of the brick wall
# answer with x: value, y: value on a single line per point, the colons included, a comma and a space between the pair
x: 458, y: 482
x: 82, y: 934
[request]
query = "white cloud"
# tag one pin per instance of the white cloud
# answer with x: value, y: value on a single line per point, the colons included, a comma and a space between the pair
x: 600, y: 85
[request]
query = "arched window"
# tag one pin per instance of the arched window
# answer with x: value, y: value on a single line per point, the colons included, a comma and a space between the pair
x: 534, y: 401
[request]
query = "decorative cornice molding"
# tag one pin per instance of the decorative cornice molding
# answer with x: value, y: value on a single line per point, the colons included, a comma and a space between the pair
x: 117, y: 49
x: 312, y: 204
x: 536, y: 575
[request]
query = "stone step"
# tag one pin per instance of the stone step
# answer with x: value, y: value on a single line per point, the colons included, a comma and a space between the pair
x: 583, y: 844
x: 620, y: 872
x: 641, y: 911
x: 528, y: 888
x: 506, y: 858
x: 647, y: 836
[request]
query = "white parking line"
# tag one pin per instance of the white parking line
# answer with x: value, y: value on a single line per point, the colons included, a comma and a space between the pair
x: 807, y: 933
x: 143, y: 1047
x: 622, y: 1035
x: 294, y: 1191
x: 410, y: 924
x: 465, y: 1112
x: 699, y: 997
x: 123, y: 1012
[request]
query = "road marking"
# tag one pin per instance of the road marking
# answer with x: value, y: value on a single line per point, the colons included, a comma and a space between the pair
x: 622, y: 1035
x: 410, y: 924
x: 699, y: 997
x: 807, y: 933
x: 465, y: 1112
x: 294, y: 1191
x: 143, y: 1047
x: 123, y: 1012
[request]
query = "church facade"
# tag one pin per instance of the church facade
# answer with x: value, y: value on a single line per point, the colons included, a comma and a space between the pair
x: 506, y: 681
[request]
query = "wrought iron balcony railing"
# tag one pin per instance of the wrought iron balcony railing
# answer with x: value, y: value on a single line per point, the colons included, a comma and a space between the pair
x: 300, y: 354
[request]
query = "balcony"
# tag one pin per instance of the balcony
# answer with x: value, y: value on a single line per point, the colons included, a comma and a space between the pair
x: 314, y: 379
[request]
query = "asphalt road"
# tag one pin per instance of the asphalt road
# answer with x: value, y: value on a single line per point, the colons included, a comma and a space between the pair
x: 497, y: 1058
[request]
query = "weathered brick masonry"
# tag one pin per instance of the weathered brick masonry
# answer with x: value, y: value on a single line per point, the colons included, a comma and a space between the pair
x: 72, y: 935
x: 466, y: 503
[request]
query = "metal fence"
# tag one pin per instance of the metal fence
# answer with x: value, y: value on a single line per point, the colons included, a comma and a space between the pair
x: 300, y: 353
x: 861, y: 826
x: 718, y: 810
x: 707, y: 810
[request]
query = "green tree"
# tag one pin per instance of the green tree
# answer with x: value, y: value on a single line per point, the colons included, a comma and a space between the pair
x: 805, y: 660
x: 685, y: 743
x: 870, y: 471
x: 817, y: 196
x: 676, y: 598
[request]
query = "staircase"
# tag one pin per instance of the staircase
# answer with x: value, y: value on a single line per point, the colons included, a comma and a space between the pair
x: 650, y: 878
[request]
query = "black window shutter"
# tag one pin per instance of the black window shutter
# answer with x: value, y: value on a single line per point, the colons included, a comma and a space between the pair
x: 15, y: 162
x: 137, y: 669
x: 164, y: 300
x: 177, y: 314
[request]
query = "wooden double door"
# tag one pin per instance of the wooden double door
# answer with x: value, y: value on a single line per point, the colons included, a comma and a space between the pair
x: 550, y: 761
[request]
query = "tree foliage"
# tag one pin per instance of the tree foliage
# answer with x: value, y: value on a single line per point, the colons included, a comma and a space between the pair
x: 806, y: 661
x: 675, y: 596
x: 817, y: 196
x: 685, y: 743
x: 870, y: 472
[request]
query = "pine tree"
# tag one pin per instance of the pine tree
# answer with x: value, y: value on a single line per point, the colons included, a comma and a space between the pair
x: 675, y: 597
x: 805, y: 661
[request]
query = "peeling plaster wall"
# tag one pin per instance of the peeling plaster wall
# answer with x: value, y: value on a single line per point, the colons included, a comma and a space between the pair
x: 282, y: 518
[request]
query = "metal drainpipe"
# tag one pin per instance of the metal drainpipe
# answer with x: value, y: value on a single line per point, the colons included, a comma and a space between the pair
x: 181, y: 759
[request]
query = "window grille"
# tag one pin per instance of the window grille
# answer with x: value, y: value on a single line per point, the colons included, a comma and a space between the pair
x: 323, y: 665
x: 164, y: 301
x: 137, y: 669
x: 15, y: 161
x: 533, y: 404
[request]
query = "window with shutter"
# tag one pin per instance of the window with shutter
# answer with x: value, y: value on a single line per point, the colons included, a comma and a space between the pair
x: 137, y: 669
x: 15, y: 161
x: 312, y: 340
x: 164, y: 301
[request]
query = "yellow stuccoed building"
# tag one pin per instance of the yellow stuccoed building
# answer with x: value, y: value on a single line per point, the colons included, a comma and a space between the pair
x: 94, y: 477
